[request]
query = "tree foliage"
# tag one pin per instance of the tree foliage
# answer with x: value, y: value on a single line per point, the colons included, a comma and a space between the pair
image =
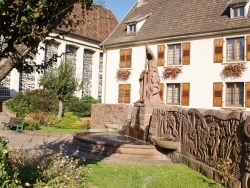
x: 25, y: 23
x: 61, y: 82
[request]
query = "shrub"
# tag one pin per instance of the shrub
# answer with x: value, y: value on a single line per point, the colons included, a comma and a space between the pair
x: 8, y: 175
x: 51, y: 120
x: 46, y: 168
x: 33, y: 101
x: 80, y: 107
x: 71, y: 121
x: 62, y: 171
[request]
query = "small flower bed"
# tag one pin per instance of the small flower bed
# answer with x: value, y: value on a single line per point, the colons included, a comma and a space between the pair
x: 171, y: 72
x: 234, y: 69
x: 122, y: 74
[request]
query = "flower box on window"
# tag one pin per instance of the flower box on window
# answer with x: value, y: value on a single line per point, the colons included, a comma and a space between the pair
x: 171, y: 72
x: 234, y: 69
x: 123, y: 74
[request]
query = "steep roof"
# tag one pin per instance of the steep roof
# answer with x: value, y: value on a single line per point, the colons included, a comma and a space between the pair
x: 175, y: 18
x: 98, y: 25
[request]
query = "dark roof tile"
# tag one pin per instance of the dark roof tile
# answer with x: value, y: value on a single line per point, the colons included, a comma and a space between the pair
x: 171, y: 18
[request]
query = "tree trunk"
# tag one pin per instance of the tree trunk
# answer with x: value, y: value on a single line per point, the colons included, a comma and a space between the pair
x: 60, y: 109
x: 7, y: 64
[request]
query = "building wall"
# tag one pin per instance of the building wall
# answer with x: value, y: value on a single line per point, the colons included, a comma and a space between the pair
x: 201, y: 73
x: 81, y: 46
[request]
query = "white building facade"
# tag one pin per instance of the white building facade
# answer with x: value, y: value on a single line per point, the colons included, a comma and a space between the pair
x: 209, y: 43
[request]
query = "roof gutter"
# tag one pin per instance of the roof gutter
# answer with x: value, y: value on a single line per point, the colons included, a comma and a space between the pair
x: 178, y: 37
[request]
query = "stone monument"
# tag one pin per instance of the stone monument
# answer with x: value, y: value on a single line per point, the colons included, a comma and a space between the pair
x: 149, y: 97
x: 150, y: 83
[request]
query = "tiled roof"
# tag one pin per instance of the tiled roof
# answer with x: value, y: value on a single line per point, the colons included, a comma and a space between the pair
x: 232, y: 2
x: 100, y: 23
x: 175, y: 18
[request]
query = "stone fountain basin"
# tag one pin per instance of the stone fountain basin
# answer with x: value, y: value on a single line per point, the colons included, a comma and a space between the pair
x: 115, y: 144
x: 165, y: 143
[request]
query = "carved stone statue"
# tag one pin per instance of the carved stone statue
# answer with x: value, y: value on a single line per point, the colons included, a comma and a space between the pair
x: 150, y: 82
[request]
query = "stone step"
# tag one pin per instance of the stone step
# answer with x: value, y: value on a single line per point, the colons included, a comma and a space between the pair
x: 114, y: 149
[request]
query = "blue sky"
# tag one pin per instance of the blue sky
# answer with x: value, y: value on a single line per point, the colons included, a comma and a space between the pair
x: 119, y: 7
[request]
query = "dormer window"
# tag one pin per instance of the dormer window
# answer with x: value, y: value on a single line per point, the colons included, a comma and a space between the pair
x: 132, y: 28
x: 238, y: 9
x: 135, y: 24
x: 238, y: 12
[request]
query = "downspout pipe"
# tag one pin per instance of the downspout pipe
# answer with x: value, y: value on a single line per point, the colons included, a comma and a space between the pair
x: 105, y: 77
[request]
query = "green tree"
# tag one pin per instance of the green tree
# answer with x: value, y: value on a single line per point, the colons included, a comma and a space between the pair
x: 62, y: 82
x: 25, y: 23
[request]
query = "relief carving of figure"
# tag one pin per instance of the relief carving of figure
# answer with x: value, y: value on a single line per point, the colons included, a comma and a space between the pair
x: 150, y: 82
x: 246, y: 176
x: 202, y: 140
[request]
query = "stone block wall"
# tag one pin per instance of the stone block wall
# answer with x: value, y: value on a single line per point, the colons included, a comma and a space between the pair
x: 102, y: 114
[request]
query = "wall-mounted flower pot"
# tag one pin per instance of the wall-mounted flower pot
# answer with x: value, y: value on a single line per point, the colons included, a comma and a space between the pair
x: 163, y: 142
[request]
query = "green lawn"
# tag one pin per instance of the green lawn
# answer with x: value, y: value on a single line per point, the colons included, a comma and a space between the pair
x: 114, y: 175
x: 57, y: 130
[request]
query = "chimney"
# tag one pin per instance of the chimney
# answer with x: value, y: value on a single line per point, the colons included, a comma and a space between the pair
x: 139, y: 3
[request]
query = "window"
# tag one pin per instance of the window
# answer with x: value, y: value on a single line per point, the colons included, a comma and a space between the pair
x: 51, y: 52
x: 70, y: 56
x: 87, y: 72
x: 173, y: 93
x: 174, y: 54
x: 235, y: 94
x: 238, y: 12
x: 179, y: 53
x: 235, y: 49
x: 178, y: 94
x: 132, y: 28
x: 5, y: 87
x: 125, y: 58
x: 124, y: 93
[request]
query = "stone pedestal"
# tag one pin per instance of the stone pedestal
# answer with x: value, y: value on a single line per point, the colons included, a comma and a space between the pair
x: 140, y: 121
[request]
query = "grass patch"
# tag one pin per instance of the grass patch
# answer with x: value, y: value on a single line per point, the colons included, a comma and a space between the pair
x: 57, y: 130
x: 115, y: 175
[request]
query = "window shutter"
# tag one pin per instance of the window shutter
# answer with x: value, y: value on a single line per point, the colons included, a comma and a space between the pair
x: 127, y: 93
x: 161, y: 90
x: 247, y: 94
x: 124, y: 93
x: 185, y: 94
x: 121, y: 93
x: 122, y: 58
x: 128, y: 58
x: 217, y: 94
x: 218, y: 50
x: 160, y: 60
x: 248, y: 48
x: 186, y: 53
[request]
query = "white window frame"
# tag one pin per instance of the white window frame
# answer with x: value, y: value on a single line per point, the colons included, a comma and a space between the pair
x: 236, y: 12
x: 235, y: 50
x: 233, y: 96
x: 174, y: 60
x: 175, y: 95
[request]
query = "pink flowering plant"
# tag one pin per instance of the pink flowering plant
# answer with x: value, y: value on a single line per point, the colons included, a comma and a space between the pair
x: 234, y: 69
x: 171, y: 72
x: 123, y: 74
